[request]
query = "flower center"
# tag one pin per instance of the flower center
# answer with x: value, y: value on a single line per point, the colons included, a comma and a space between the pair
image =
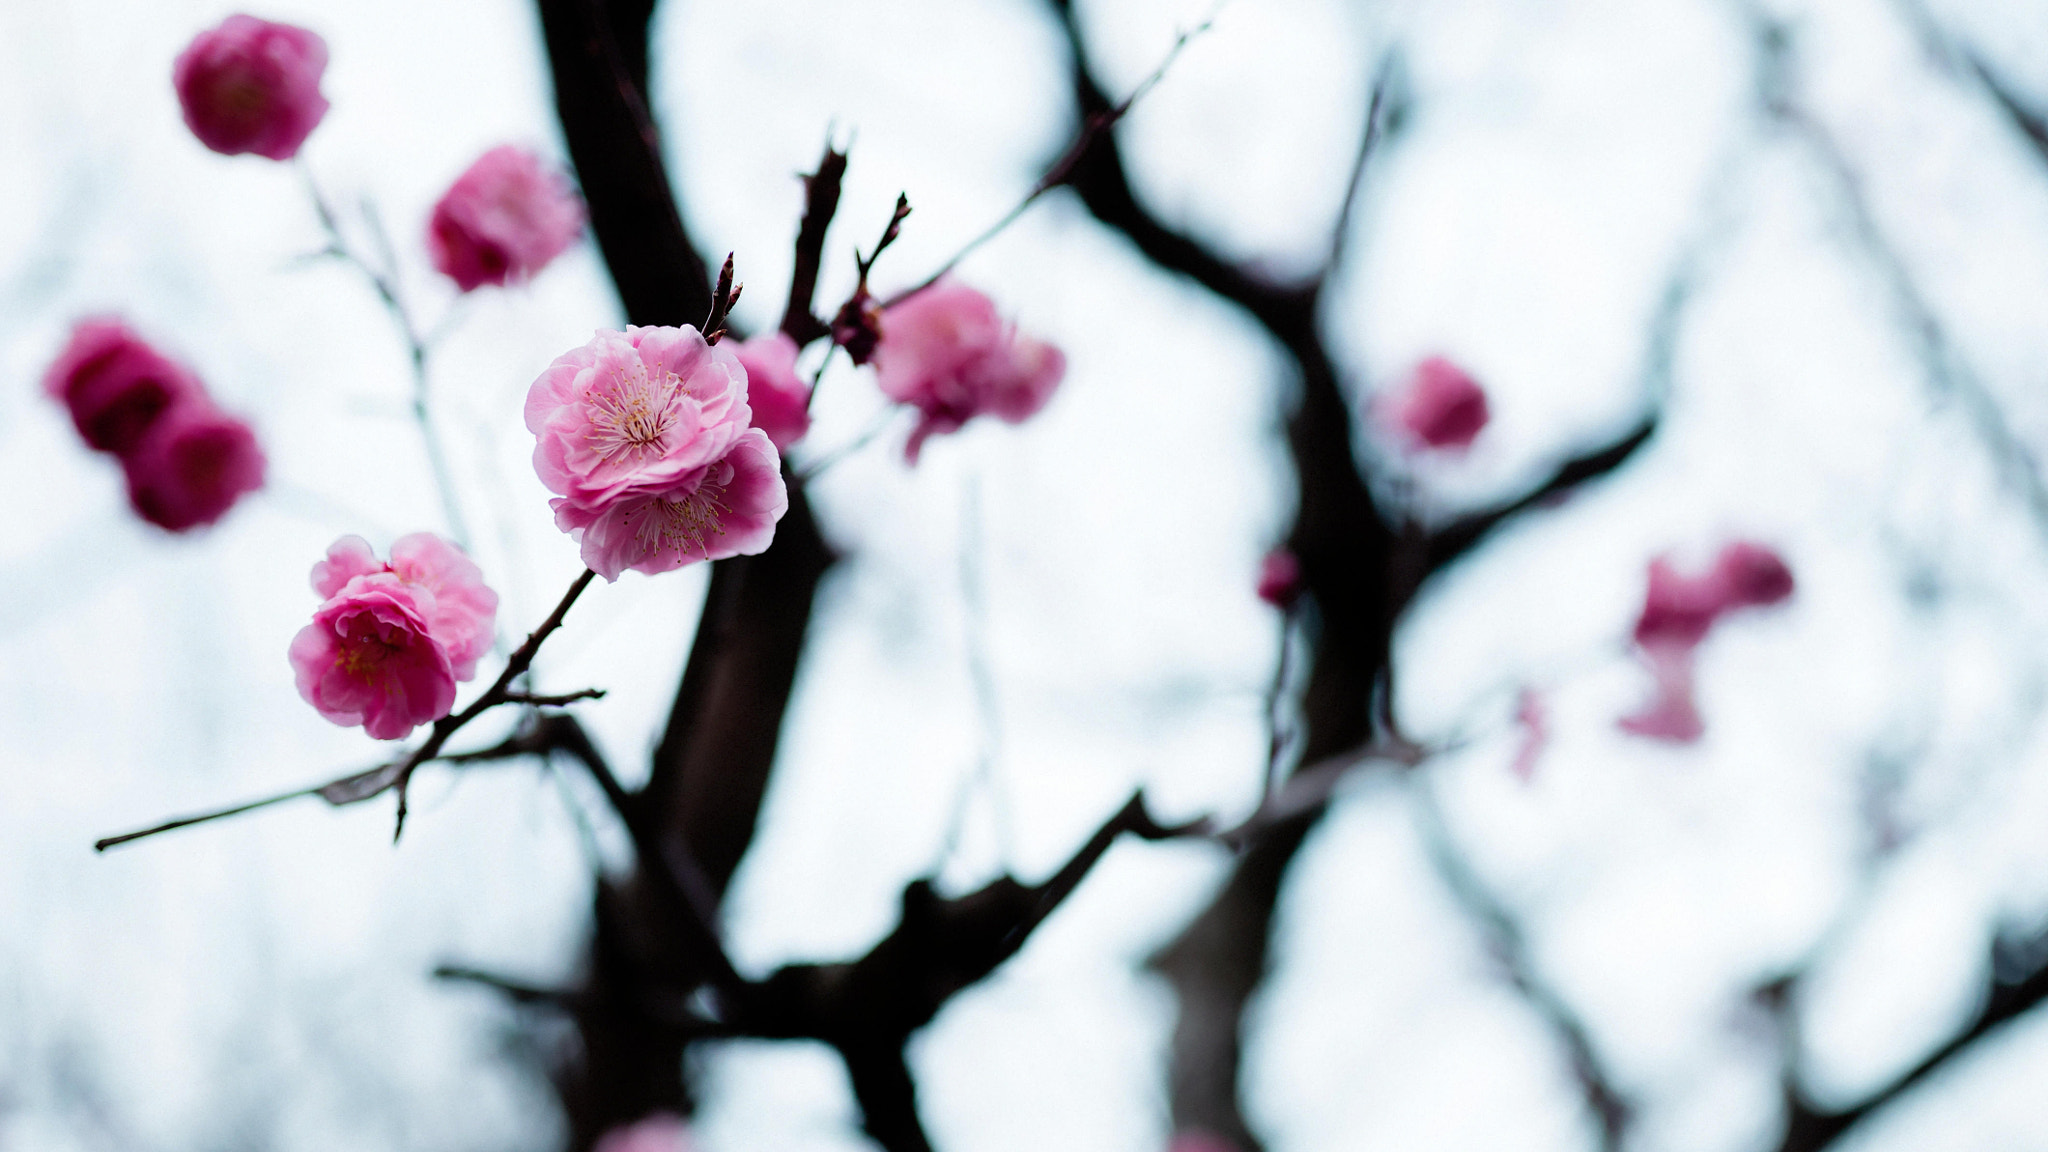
x: 685, y: 524
x: 364, y: 653
x: 634, y: 414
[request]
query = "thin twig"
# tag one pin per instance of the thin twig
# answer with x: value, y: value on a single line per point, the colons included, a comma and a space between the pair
x: 1056, y: 175
x: 555, y: 701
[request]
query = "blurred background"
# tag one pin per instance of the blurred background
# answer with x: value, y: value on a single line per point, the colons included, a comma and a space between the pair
x: 1813, y: 236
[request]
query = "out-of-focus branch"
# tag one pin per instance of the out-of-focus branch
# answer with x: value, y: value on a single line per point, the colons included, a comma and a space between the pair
x: 869, y: 1008
x: 1504, y: 937
x: 2010, y: 994
x: 598, y: 52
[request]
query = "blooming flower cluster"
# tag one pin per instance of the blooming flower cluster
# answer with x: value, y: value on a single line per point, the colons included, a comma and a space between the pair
x: 646, y: 438
x: 1440, y: 407
x: 391, y: 639
x: 185, y: 460
x: 946, y: 352
x: 503, y: 220
x: 1678, y: 612
x: 252, y: 86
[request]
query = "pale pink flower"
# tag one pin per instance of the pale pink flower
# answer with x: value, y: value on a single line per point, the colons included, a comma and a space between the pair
x: 194, y: 463
x: 1440, y: 407
x: 503, y: 220
x: 728, y: 507
x: 1533, y: 718
x: 645, y: 437
x: 252, y: 86
x: 661, y: 1132
x: 1671, y: 714
x: 1280, y: 578
x: 946, y: 352
x: 780, y: 399
x: 446, y: 584
x: 1678, y: 612
x: 115, y: 386
x: 369, y: 658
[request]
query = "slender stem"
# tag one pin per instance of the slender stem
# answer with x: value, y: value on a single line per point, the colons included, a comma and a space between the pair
x: 383, y: 277
x: 1057, y: 175
x: 496, y: 694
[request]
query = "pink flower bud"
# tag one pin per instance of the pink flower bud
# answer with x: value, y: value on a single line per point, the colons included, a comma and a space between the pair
x: 1440, y: 407
x: 368, y: 658
x: 1280, y: 579
x: 660, y: 1132
x: 779, y: 397
x: 503, y: 220
x: 645, y: 435
x: 115, y: 386
x: 1678, y: 612
x: 252, y: 86
x: 192, y: 466
x: 947, y: 353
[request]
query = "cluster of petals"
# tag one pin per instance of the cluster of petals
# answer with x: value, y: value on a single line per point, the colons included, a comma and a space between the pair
x: 646, y: 438
x: 186, y: 461
x: 1439, y: 407
x: 1678, y: 612
x: 252, y: 85
x: 390, y: 640
x: 503, y: 220
x: 947, y: 352
x: 661, y: 1132
x: 780, y: 399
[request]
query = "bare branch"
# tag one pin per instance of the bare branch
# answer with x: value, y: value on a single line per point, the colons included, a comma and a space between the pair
x: 821, y: 202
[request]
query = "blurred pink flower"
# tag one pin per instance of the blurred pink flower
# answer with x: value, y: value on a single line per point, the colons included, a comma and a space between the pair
x: 780, y: 399
x: 368, y: 658
x: 1280, y: 578
x: 446, y: 585
x: 251, y: 85
x: 503, y: 219
x: 116, y: 386
x: 1533, y: 718
x: 660, y: 1132
x: 1678, y: 612
x: 1671, y: 713
x: 645, y: 436
x: 191, y: 466
x: 947, y: 353
x: 1440, y: 407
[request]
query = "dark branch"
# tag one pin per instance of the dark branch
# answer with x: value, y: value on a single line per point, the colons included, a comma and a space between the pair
x: 598, y: 53
x: 1459, y: 538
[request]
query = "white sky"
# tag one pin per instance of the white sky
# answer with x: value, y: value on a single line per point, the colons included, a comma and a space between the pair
x: 262, y: 983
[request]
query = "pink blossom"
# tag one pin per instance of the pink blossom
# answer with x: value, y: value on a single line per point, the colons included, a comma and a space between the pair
x: 1280, y: 578
x: 252, y: 86
x: 728, y: 507
x: 645, y: 437
x: 946, y: 352
x: 369, y: 658
x: 445, y: 583
x: 192, y: 466
x: 1678, y: 612
x: 779, y: 397
x: 1671, y: 714
x: 1533, y: 718
x: 503, y: 220
x: 661, y: 1132
x: 116, y: 386
x: 1440, y: 407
